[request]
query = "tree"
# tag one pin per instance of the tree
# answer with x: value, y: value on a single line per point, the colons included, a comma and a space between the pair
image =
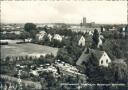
x: 95, y: 38
x: 120, y: 71
x: 102, y: 28
x: 24, y: 35
x: 31, y: 28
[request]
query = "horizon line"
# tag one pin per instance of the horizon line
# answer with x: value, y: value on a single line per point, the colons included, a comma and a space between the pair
x: 55, y: 23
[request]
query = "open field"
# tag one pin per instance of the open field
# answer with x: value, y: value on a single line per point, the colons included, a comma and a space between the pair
x: 26, y: 49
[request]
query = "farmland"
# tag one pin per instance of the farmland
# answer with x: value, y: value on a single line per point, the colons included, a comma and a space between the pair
x: 26, y: 49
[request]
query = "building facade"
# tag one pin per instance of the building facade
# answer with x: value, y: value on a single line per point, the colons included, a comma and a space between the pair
x: 81, y: 42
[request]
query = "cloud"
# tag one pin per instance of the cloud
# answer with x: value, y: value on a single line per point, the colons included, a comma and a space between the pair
x: 64, y: 11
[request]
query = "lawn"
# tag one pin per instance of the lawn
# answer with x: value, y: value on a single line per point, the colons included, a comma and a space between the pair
x: 26, y: 49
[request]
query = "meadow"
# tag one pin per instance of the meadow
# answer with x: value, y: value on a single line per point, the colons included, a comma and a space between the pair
x: 26, y: 49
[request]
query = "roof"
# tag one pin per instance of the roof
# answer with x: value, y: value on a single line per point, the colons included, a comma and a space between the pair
x: 78, y: 37
x: 85, y: 56
x: 97, y: 53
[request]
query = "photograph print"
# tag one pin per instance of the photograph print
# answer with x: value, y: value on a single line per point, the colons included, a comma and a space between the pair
x: 64, y: 45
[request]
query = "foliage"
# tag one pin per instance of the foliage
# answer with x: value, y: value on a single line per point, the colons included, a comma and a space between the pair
x: 115, y: 73
x: 31, y: 28
x: 120, y: 72
x: 24, y: 35
x: 95, y: 38
x: 116, y: 48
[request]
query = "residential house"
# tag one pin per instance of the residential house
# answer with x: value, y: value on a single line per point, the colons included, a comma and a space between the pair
x: 28, y: 40
x: 112, y: 29
x: 50, y: 37
x: 90, y: 33
x: 57, y: 37
x: 81, y: 41
x: 40, y: 35
x: 100, y: 56
x: 88, y: 40
x: 100, y: 41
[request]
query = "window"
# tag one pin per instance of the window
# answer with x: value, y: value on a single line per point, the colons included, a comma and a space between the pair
x: 101, y: 61
x: 107, y: 61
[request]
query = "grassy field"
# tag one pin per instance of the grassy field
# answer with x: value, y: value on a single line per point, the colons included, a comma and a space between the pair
x: 26, y: 49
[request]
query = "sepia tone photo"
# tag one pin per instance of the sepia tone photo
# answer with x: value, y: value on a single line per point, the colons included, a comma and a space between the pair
x: 64, y: 45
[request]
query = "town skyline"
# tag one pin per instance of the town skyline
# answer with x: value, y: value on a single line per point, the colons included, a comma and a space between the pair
x: 105, y: 12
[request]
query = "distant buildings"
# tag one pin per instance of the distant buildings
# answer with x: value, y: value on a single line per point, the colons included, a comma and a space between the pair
x: 85, y: 24
x: 11, y: 26
x: 84, y: 21
x: 17, y: 32
x: 112, y: 29
x: 85, y: 27
x: 88, y: 30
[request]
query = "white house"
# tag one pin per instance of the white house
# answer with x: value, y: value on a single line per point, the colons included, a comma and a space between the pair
x: 34, y: 72
x: 123, y: 29
x: 4, y: 32
x: 123, y: 32
x: 101, y: 56
x: 104, y: 29
x: 40, y: 35
x: 112, y: 29
x: 100, y: 41
x: 28, y: 40
x: 104, y: 59
x: 17, y: 32
x: 57, y: 37
x: 81, y: 42
x: 90, y: 33
x: 50, y: 37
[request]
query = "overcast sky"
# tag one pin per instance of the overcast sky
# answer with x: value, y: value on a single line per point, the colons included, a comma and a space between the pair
x: 64, y: 11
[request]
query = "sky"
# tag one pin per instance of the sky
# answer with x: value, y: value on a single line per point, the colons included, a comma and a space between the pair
x: 103, y: 12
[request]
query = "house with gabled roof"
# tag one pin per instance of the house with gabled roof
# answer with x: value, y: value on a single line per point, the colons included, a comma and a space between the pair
x: 57, y: 37
x: 40, y: 35
x: 81, y: 41
x: 100, y: 41
x: 100, y: 56
x: 50, y: 37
